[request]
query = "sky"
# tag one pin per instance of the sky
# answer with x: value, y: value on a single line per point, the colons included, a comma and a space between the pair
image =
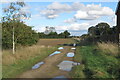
x: 76, y: 17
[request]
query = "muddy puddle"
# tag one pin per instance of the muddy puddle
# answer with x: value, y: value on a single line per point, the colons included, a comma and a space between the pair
x: 67, y: 65
x: 73, y: 48
x: 36, y: 66
x: 70, y: 54
x: 60, y: 48
x: 56, y: 52
x: 59, y: 78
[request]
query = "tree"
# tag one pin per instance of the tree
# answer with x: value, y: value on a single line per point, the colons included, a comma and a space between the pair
x: 66, y: 34
x: 13, y: 14
x: 13, y: 26
x: 41, y: 35
x: 92, y: 31
x: 53, y: 35
x: 103, y: 28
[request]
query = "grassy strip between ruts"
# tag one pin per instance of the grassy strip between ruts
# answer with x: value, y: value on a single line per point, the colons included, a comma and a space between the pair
x: 21, y: 65
x: 95, y: 64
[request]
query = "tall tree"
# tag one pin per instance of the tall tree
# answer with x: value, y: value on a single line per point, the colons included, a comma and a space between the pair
x: 14, y: 14
x: 66, y: 34
x: 103, y: 28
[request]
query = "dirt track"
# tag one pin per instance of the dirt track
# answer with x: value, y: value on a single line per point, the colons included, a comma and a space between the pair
x: 49, y: 69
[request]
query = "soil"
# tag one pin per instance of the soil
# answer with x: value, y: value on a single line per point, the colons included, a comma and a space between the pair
x: 49, y: 69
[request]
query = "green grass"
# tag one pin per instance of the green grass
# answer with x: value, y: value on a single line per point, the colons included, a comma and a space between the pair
x: 77, y: 72
x: 11, y: 70
x: 96, y: 64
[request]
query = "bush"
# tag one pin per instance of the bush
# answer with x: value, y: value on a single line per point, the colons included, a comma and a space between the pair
x: 24, y: 35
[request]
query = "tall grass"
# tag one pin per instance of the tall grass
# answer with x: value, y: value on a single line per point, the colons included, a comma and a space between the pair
x: 108, y: 48
x: 96, y: 63
x: 23, y: 59
x: 21, y: 53
x: 77, y: 71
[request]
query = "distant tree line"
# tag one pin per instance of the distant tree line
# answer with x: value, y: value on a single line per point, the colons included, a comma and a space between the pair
x: 101, y: 32
x: 64, y: 34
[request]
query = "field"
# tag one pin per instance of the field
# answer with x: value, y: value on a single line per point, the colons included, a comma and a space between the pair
x: 54, y: 42
x: 26, y: 57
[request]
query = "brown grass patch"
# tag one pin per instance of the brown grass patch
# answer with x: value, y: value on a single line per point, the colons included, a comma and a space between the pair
x: 54, y: 42
x: 22, y: 53
x: 109, y: 48
x: 31, y: 51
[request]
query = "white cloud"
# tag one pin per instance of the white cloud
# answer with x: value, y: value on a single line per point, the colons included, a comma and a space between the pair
x: 59, y: 7
x: 81, y: 26
x: 52, y: 16
x: 71, y: 20
x: 104, y: 12
x: 93, y: 12
x: 93, y: 7
x: 85, y: 16
x: 78, y: 6
x: 49, y: 13
x: 74, y: 26
x: 77, y: 26
x: 85, y: 12
x: 39, y: 28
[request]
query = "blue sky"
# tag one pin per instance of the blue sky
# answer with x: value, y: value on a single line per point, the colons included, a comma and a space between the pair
x: 75, y: 17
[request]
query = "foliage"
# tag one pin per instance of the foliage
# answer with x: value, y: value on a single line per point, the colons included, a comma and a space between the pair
x: 24, y: 35
x: 97, y: 64
x: 14, y: 12
x: 13, y: 22
x: 64, y: 34
x: 99, y: 33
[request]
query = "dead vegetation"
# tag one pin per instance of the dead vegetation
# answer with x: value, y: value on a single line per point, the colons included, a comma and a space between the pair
x: 22, y: 53
x: 108, y: 48
x: 54, y: 42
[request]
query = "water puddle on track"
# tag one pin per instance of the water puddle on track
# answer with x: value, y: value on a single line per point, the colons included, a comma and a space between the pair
x: 60, y: 48
x: 70, y: 54
x: 56, y: 52
x: 36, y: 66
x: 59, y: 78
x: 73, y: 48
x: 67, y: 65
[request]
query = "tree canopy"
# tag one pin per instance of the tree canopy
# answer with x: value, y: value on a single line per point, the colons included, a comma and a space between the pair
x: 101, y: 32
x: 12, y: 21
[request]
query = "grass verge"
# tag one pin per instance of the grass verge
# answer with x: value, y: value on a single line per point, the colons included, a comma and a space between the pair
x: 95, y: 63
x: 108, y: 48
x: 23, y: 60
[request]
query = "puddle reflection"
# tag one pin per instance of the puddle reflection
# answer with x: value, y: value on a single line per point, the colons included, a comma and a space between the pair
x: 70, y: 54
x: 67, y: 65
x: 56, y: 52
x: 37, y: 65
